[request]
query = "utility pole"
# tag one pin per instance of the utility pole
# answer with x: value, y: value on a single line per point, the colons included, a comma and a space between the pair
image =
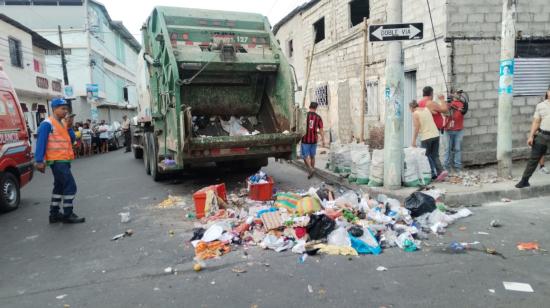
x: 64, y: 65
x: 394, y: 95
x: 506, y: 88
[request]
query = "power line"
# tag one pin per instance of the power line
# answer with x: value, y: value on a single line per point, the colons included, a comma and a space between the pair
x: 437, y: 47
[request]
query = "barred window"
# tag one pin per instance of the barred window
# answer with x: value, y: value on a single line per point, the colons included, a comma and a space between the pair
x: 321, y: 95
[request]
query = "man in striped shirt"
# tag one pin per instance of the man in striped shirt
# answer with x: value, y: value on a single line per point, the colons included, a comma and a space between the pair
x: 314, y: 126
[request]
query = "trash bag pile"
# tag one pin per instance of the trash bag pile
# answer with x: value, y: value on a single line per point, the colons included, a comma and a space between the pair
x: 323, y: 221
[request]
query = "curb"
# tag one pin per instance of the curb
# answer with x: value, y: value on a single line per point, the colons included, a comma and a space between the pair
x: 451, y: 199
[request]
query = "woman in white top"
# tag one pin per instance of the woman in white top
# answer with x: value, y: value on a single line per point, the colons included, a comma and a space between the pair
x: 104, y: 136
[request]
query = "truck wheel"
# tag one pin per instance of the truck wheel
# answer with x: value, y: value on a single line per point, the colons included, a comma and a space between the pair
x: 10, y: 194
x: 138, y: 153
x: 146, y: 154
x: 153, y: 160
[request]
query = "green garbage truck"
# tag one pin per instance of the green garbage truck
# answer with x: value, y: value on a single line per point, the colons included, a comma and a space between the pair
x: 213, y: 86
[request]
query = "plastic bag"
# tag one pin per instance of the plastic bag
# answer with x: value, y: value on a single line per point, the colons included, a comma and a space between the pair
x: 339, y: 237
x: 410, y: 168
x: 378, y: 217
x: 320, y: 226
x: 358, y: 151
x: 349, y: 198
x: 424, y: 168
x: 234, y: 127
x: 419, y: 203
x: 376, y: 174
x: 363, y: 168
x: 406, y: 242
x: 343, y: 159
x: 366, y: 244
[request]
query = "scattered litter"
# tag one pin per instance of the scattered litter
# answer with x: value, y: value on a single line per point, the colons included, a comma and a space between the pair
x: 310, y: 288
x: 528, y: 246
x: 171, y: 201
x: 505, y: 200
x: 124, y: 217
x: 492, y: 290
x: 156, y: 289
x: 302, y: 258
x: 168, y: 270
x: 518, y: 286
x: 213, y: 282
x: 381, y: 269
x: 171, y: 233
x: 31, y: 237
x: 197, y: 267
x: 482, y: 233
x: 462, y: 228
x: 126, y: 233
x: 62, y: 296
x: 238, y: 270
x: 495, y: 223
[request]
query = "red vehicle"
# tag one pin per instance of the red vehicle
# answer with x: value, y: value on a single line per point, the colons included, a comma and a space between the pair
x: 16, y: 158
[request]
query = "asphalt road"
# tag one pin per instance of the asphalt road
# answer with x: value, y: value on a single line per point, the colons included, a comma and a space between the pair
x: 44, y: 265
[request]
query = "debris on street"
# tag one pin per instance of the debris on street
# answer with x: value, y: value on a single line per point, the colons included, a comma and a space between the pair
x: 124, y: 217
x: 518, y: 286
x: 528, y: 246
x: 171, y: 201
x: 317, y: 221
x: 126, y: 233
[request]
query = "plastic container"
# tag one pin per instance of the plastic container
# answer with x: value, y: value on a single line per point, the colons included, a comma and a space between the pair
x: 199, y: 197
x: 261, y: 192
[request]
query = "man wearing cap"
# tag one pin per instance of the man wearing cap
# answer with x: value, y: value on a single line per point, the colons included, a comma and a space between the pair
x: 54, y: 148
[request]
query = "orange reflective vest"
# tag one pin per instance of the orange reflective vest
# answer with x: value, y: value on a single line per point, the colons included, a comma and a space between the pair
x: 59, y: 145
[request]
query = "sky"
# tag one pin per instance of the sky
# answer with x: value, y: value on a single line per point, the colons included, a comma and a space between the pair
x: 134, y: 13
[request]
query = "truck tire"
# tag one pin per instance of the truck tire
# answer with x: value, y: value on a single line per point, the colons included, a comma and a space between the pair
x: 10, y: 195
x: 146, y: 154
x: 153, y: 159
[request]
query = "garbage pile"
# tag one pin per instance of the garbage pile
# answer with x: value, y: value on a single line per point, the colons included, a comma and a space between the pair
x: 318, y: 221
x: 474, y: 178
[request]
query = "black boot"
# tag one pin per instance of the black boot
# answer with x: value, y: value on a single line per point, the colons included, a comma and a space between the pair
x: 73, y: 219
x: 56, y: 217
x: 523, y: 183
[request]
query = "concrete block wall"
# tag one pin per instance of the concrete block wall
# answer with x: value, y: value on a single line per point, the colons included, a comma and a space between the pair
x: 474, y: 32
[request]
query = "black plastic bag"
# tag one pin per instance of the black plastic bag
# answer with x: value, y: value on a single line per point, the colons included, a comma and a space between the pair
x: 320, y: 226
x: 198, y: 233
x: 419, y: 204
x: 356, y: 231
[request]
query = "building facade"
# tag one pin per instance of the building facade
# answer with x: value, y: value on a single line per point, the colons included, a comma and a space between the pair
x: 23, y: 58
x: 467, y: 33
x: 101, y: 54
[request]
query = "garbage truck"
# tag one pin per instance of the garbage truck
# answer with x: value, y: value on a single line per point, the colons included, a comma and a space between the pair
x: 213, y: 87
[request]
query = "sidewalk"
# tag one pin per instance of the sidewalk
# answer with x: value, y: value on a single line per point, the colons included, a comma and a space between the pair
x: 479, y: 185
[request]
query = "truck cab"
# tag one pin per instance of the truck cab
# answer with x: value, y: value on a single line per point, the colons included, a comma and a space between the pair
x: 16, y: 158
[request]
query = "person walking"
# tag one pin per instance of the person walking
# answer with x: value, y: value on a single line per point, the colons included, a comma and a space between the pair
x: 454, y: 126
x: 126, y: 132
x: 539, y: 139
x: 424, y: 126
x: 308, y: 147
x: 54, y: 149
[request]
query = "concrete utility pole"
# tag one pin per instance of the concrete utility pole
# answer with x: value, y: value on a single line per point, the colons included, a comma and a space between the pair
x: 63, y: 60
x: 394, y: 95
x: 506, y: 88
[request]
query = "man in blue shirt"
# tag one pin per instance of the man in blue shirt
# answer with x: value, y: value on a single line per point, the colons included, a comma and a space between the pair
x: 54, y: 149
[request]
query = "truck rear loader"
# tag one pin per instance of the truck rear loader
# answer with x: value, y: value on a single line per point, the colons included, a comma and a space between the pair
x: 213, y: 86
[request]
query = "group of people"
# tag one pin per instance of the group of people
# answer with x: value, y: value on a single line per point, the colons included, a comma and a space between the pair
x: 92, y: 137
x: 431, y: 121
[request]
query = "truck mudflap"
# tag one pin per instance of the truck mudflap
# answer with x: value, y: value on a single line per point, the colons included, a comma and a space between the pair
x: 241, y: 147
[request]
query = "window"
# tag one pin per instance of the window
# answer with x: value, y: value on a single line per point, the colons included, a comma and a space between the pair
x: 16, y: 55
x: 321, y: 95
x: 36, y: 66
x: 532, y: 67
x: 290, y: 48
x: 358, y: 9
x: 319, y: 30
